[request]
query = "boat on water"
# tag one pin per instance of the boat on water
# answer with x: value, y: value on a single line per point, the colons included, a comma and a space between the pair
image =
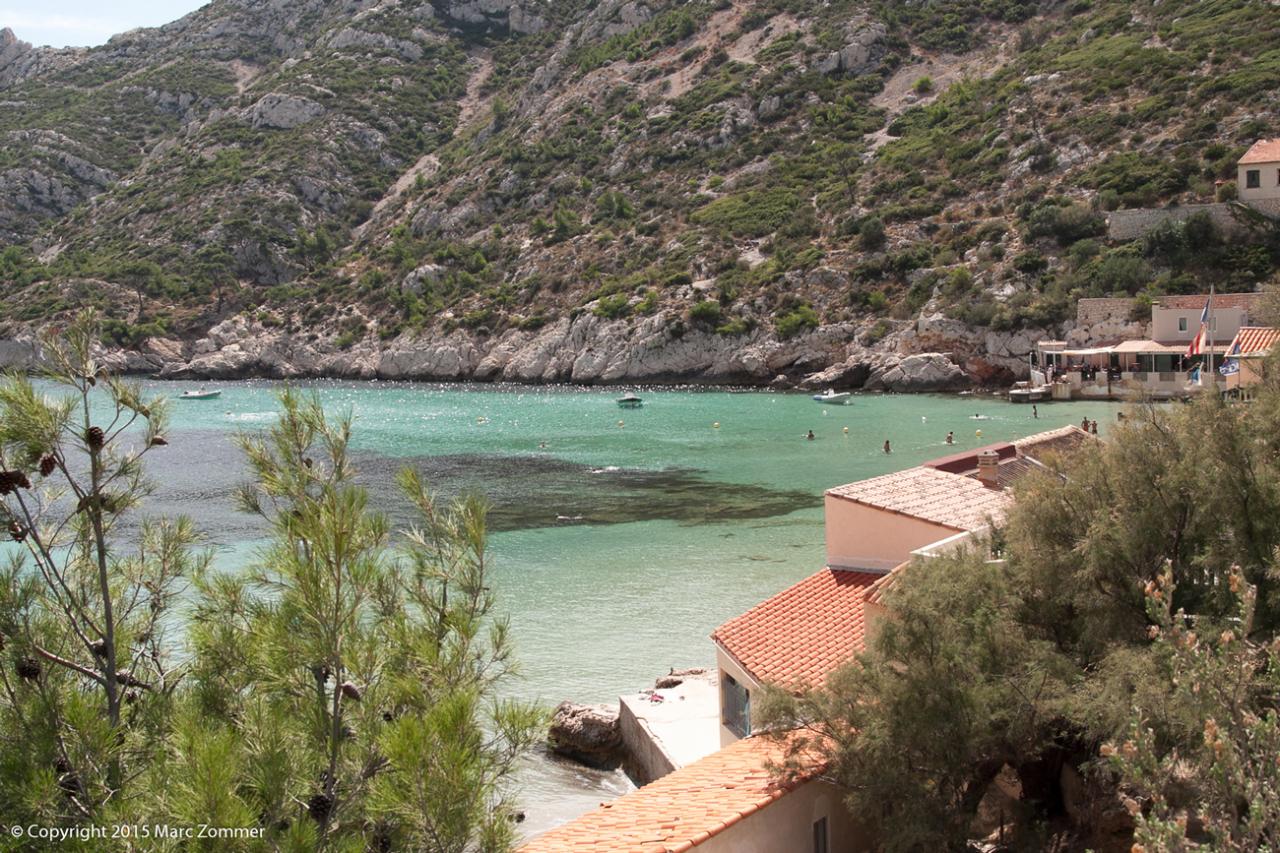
x: 630, y: 401
x: 202, y: 394
x: 835, y: 398
x: 1025, y: 392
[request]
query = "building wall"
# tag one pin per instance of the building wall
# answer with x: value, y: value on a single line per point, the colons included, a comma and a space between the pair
x: 863, y: 537
x: 1269, y: 178
x: 786, y: 825
x: 728, y: 666
x: 1164, y: 324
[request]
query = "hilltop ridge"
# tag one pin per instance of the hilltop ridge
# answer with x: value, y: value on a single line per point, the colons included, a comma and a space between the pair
x: 569, y: 190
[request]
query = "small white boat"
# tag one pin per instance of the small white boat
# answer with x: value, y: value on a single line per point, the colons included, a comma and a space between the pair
x: 630, y: 401
x: 1025, y: 392
x: 835, y: 398
x: 202, y: 394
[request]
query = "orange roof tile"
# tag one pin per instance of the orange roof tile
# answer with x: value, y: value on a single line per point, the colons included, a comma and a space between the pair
x: 797, y: 637
x: 1253, y: 339
x: 945, y: 499
x: 682, y: 809
x: 1245, y: 301
x: 1263, y: 151
x: 1054, y: 442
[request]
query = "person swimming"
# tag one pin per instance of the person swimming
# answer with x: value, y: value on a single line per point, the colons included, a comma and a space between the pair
x: 811, y: 436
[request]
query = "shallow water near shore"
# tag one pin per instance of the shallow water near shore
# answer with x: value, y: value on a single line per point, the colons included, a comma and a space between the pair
x: 620, y: 538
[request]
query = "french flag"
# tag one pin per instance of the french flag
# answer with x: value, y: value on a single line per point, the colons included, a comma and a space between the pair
x: 1198, y: 342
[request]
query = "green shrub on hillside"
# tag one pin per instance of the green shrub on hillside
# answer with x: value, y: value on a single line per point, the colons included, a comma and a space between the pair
x: 793, y: 322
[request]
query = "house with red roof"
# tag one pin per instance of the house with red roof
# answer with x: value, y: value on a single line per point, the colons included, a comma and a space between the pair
x: 1246, y: 357
x: 728, y: 802
x: 796, y: 638
x: 736, y: 800
x: 1259, y: 171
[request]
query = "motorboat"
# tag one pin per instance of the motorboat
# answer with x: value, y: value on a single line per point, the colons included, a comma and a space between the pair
x: 630, y: 401
x: 201, y: 394
x: 833, y: 397
x: 1025, y: 392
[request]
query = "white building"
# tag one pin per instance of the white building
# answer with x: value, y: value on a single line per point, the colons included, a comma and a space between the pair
x: 1259, y: 171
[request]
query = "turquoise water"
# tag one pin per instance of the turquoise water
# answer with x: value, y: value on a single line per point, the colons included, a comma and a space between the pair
x: 626, y: 539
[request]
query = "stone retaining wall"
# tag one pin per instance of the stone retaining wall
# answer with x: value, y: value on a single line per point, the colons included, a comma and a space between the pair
x: 1093, y: 310
x: 1228, y: 216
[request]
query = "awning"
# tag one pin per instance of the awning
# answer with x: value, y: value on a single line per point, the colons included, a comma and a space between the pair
x: 1091, y: 351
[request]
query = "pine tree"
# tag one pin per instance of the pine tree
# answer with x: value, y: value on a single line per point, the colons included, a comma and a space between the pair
x: 88, y: 674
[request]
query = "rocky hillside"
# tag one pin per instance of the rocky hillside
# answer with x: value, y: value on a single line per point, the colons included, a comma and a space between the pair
x: 600, y: 190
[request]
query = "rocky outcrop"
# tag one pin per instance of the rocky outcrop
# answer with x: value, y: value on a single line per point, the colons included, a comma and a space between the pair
x: 283, y: 111
x: 588, y: 734
x: 863, y: 49
x: 585, y: 349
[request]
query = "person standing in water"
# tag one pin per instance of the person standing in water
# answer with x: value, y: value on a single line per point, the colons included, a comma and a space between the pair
x: 1035, y: 413
x: 886, y: 446
x: 951, y: 437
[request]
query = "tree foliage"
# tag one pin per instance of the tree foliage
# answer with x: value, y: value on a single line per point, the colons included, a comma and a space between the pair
x: 1024, y: 665
x: 340, y: 693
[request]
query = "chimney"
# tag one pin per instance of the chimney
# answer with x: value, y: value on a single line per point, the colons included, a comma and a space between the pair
x: 989, y: 469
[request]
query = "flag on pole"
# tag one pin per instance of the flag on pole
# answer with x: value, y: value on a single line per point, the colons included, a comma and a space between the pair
x: 1231, y: 365
x: 1198, y: 342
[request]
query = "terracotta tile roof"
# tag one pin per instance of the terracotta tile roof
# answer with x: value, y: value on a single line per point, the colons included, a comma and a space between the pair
x: 1263, y: 151
x: 797, y: 637
x: 682, y: 809
x: 1244, y: 301
x: 876, y: 592
x: 1011, y: 471
x: 1254, y: 339
x: 949, y: 500
x: 1054, y: 442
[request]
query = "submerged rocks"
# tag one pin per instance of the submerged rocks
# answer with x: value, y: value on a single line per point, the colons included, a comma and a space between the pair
x: 588, y: 734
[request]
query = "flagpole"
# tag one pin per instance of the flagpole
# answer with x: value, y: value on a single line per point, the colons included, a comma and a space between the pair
x: 1213, y: 379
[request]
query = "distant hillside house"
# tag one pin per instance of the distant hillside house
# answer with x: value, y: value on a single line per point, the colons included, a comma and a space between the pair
x: 1259, y: 171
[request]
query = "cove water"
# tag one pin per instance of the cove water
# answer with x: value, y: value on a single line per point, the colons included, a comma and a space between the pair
x: 620, y: 537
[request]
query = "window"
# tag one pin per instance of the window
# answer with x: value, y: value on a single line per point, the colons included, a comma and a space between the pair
x: 735, y: 706
x: 1182, y: 324
x: 1278, y: 177
x: 1253, y: 179
x: 820, y: 844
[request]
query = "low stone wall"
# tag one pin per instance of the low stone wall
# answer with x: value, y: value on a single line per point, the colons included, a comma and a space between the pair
x: 1229, y: 217
x: 1093, y: 310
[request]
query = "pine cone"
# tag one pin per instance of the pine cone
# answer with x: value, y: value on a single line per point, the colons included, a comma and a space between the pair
x: 350, y: 691
x: 28, y: 669
x: 94, y: 438
x: 99, y: 648
x: 17, y: 531
x: 21, y: 479
x: 319, y: 806
x: 47, y: 465
x: 8, y: 482
x: 159, y: 441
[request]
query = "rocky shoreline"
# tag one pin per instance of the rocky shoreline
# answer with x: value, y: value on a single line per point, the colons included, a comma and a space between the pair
x: 928, y: 354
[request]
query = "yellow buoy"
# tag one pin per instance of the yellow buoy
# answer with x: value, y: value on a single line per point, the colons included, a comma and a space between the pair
x: 978, y: 433
x: 716, y: 425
